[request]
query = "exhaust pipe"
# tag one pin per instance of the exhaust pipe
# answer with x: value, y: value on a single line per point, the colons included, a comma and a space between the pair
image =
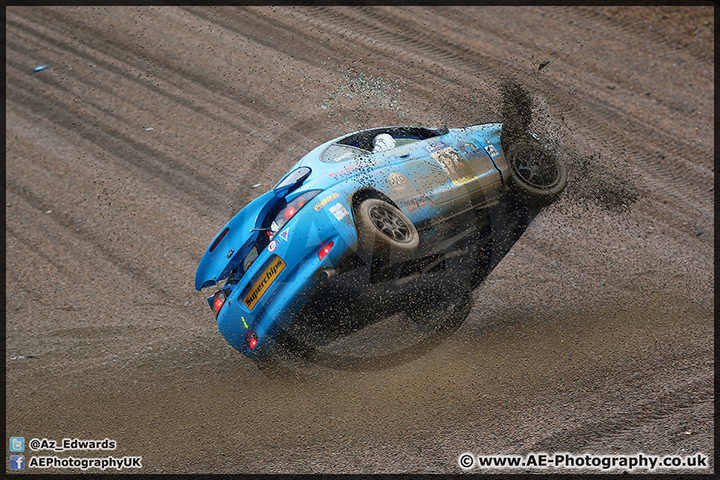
x: 325, y: 274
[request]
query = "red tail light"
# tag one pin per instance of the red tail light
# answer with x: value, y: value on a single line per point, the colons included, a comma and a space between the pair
x: 251, y: 339
x: 218, y: 239
x: 289, y: 212
x: 325, y: 250
x: 219, y: 301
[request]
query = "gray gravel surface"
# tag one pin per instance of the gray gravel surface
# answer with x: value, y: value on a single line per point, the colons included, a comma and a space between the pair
x: 149, y: 129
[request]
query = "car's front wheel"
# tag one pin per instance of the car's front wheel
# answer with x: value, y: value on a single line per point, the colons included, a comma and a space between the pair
x: 537, y: 175
x: 383, y: 229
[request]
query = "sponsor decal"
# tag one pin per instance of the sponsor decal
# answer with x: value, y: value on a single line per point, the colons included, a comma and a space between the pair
x: 415, y: 204
x: 396, y: 181
x: 284, y: 235
x: 272, y: 246
x: 471, y: 151
x: 466, y: 147
x: 435, y: 146
x: 263, y: 282
x: 492, y: 151
x: 342, y: 157
x: 325, y: 201
x: 339, y: 211
x: 345, y: 172
x: 452, y: 162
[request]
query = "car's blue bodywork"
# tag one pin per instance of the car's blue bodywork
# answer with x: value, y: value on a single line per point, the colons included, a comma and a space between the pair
x: 269, y: 273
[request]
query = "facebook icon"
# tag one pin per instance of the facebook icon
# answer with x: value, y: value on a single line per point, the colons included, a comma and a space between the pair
x: 17, y: 462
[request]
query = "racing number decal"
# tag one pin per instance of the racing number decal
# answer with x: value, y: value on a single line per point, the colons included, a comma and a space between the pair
x: 451, y: 162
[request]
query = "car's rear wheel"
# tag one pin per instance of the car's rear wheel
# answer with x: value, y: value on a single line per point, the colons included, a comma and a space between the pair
x: 537, y: 175
x: 384, y: 230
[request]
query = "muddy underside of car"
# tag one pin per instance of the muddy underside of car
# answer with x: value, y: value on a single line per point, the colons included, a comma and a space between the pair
x: 423, y: 287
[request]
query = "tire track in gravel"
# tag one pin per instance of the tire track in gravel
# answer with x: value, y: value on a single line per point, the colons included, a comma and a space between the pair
x: 464, y: 59
x: 290, y: 41
x: 138, y: 273
x: 685, y: 173
x: 615, y: 16
x: 682, y: 397
x: 126, y: 151
x: 77, y: 219
x: 117, y: 51
x: 165, y: 167
x: 254, y: 25
x: 368, y: 25
x: 347, y: 32
x: 33, y: 246
x: 59, y: 109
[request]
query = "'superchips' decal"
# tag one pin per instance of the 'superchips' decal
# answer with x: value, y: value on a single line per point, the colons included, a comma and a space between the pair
x: 263, y: 282
x: 452, y: 162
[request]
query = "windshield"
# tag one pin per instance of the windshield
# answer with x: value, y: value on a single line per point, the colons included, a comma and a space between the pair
x: 364, y: 139
x: 337, y: 153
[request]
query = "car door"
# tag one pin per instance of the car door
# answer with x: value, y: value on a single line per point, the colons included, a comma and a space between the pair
x: 447, y: 170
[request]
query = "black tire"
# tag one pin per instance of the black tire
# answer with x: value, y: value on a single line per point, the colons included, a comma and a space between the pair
x: 537, y: 175
x: 383, y: 230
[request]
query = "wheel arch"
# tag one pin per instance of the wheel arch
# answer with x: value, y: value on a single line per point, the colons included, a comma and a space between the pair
x: 369, y: 192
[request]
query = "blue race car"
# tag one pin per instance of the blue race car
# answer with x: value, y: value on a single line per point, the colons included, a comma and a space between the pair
x: 375, y: 222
